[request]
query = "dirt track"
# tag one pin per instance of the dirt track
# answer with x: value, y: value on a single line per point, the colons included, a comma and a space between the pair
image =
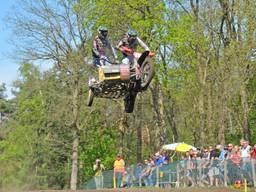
x: 156, y: 190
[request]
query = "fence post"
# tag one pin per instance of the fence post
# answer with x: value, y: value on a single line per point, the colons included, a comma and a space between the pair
x: 157, y: 176
x: 225, y: 173
x: 200, y: 172
x: 114, y: 181
x: 178, y: 175
x: 253, y: 172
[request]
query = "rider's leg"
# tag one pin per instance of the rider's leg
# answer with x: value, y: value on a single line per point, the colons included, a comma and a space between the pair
x: 107, y: 62
x: 125, y: 61
x: 96, y: 62
x: 104, y: 60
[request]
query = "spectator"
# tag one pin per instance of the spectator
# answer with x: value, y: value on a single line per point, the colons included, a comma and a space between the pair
x: 137, y: 174
x: 196, y: 164
x: 223, y: 153
x: 241, y: 143
x: 158, y: 159
x: 205, y: 153
x: 236, y: 161
x: 236, y: 156
x: 246, y: 165
x: 218, y: 149
x: 245, y: 150
x: 128, y: 177
x: 98, y: 168
x: 210, y: 148
x: 189, y: 169
x: 119, y: 170
x: 230, y: 151
x: 204, y: 165
x: 146, y: 172
x: 253, y: 153
x: 165, y: 158
x: 190, y: 152
x: 214, y: 171
x: 213, y: 153
x: 230, y: 165
x: 152, y: 175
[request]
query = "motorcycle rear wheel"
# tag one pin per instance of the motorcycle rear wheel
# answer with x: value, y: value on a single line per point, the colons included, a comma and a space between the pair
x: 147, y: 73
x: 129, y: 102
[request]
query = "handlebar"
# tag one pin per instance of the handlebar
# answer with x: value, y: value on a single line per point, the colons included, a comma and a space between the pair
x: 129, y: 51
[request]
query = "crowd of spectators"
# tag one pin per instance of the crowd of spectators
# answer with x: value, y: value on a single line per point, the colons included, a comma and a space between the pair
x: 201, y: 167
x: 206, y: 166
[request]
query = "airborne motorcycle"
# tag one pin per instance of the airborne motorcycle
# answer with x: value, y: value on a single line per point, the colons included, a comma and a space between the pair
x: 123, y: 80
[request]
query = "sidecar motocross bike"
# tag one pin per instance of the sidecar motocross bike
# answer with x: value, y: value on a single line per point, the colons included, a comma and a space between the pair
x: 123, y: 80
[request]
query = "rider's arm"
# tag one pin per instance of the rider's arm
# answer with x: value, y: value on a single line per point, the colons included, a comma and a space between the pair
x: 94, y: 48
x: 142, y: 44
x: 124, y: 49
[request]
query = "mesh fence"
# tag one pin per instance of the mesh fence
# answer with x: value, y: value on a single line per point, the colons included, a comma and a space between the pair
x: 184, y: 173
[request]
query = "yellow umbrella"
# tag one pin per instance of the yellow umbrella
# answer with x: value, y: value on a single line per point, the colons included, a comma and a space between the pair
x: 183, y: 147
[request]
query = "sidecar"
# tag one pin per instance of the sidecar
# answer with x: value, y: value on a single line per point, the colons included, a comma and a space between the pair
x: 112, y: 82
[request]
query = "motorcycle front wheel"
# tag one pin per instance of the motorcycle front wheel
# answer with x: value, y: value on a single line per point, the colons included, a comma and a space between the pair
x: 129, y: 102
x: 90, y: 98
x: 147, y: 73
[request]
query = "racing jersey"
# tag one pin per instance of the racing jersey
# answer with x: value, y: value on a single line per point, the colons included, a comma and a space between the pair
x: 132, y: 45
x: 99, y: 47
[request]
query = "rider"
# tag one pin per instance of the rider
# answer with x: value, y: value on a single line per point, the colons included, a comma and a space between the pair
x: 100, y: 43
x: 131, y: 41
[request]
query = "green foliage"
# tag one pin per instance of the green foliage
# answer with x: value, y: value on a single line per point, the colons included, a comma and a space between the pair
x: 101, y: 144
x: 6, y: 107
x: 2, y: 90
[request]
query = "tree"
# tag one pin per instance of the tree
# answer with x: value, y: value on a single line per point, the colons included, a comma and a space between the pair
x: 54, y: 32
x: 2, y: 102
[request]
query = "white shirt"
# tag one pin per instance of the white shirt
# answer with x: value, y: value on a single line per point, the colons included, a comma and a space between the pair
x: 245, y: 152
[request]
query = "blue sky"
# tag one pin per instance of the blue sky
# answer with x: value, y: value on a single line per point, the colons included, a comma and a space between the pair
x: 8, y: 67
